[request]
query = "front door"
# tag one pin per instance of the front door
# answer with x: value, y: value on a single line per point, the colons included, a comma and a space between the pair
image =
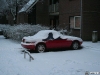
x: 54, y: 22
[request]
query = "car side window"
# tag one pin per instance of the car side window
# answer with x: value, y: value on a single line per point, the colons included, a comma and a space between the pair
x: 50, y: 37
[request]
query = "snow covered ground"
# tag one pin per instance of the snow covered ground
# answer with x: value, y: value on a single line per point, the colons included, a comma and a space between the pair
x: 69, y: 62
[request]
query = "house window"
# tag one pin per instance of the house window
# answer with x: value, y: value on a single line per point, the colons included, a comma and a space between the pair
x: 54, y: 21
x: 53, y: 6
x: 75, y: 22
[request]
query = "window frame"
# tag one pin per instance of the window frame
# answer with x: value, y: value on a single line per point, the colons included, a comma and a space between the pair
x: 74, y: 26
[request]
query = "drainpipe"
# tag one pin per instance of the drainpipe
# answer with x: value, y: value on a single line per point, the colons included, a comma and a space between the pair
x: 52, y: 1
x: 16, y: 12
x: 81, y: 20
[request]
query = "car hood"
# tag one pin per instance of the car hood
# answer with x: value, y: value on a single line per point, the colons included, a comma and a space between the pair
x: 71, y: 38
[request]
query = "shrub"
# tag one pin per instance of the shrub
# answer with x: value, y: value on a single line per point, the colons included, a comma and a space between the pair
x: 17, y: 32
x: 4, y: 28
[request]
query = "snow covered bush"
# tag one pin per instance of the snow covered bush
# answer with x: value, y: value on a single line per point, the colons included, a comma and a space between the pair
x: 17, y: 32
x: 4, y: 28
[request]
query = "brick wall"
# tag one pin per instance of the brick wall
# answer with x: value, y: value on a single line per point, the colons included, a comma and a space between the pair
x: 90, y: 18
x: 42, y: 14
x: 69, y: 8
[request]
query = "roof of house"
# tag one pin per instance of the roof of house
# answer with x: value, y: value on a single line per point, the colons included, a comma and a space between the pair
x: 28, y: 6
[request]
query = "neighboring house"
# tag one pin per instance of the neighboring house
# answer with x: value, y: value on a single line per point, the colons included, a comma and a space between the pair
x: 80, y: 16
x: 27, y: 14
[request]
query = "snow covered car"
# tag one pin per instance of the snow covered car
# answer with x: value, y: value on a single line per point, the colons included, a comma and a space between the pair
x: 50, y: 39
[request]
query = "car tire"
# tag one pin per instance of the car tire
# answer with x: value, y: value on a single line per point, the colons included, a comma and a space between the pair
x: 40, y: 48
x: 75, y: 45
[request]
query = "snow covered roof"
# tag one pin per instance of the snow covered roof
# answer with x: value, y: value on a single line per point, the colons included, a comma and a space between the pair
x: 28, y: 6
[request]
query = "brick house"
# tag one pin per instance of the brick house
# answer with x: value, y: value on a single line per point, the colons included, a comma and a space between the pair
x: 80, y: 16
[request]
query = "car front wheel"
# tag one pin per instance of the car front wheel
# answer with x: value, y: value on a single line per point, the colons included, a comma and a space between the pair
x: 75, y: 45
x: 40, y: 48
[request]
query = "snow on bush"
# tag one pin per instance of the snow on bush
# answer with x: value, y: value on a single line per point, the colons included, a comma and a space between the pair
x: 17, y: 32
x: 4, y: 28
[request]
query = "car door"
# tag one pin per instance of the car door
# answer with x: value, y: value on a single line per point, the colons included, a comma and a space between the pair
x: 53, y: 42
x: 50, y: 43
x: 58, y: 43
x: 62, y: 43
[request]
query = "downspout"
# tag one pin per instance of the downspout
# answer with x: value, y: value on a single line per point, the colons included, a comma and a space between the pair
x: 81, y: 20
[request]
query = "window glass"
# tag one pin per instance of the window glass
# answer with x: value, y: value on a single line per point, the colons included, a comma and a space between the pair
x: 71, y: 22
x: 75, y: 22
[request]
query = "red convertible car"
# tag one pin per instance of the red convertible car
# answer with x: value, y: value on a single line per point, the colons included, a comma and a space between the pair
x: 50, y: 39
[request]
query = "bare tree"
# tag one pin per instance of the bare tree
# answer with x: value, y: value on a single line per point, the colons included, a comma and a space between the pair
x: 11, y: 7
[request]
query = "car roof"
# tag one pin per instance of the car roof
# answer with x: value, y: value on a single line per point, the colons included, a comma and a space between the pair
x: 44, y: 33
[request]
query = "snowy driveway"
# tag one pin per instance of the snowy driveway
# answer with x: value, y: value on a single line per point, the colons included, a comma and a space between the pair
x: 75, y: 62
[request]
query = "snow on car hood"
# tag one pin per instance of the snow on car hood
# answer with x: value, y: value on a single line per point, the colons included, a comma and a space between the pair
x: 71, y: 38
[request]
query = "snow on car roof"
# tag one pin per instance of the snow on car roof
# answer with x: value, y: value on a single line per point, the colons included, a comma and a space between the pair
x: 47, y: 31
x: 44, y: 33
